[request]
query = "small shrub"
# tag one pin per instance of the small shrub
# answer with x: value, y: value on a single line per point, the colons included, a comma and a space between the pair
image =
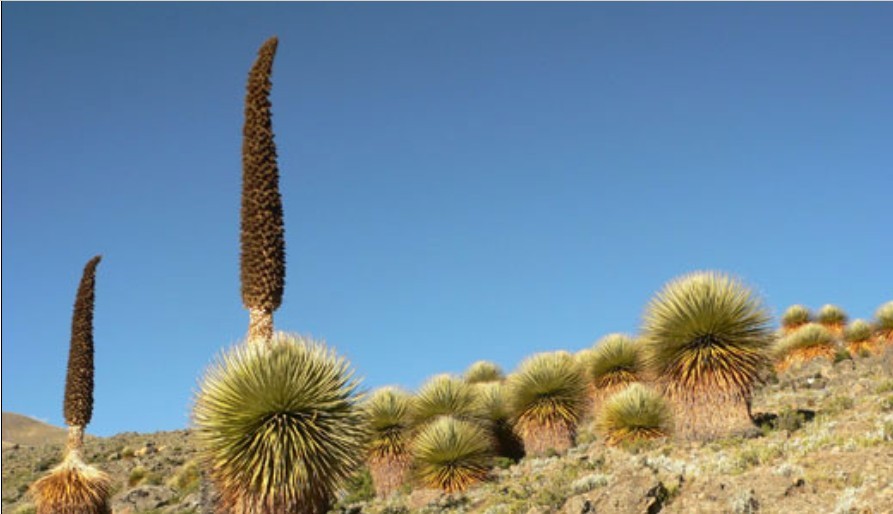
x: 589, y: 482
x: 137, y: 475
x: 187, y: 479
x: 838, y: 404
x: 883, y: 320
x: 359, y: 488
x: 808, y: 342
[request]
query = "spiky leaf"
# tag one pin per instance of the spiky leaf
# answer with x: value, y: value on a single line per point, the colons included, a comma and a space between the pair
x: 706, y: 334
x: 279, y: 426
x: 262, y: 230
x: 78, y: 404
x: 451, y: 454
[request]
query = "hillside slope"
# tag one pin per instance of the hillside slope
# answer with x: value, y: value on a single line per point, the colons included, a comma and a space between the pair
x: 829, y: 450
x: 22, y: 430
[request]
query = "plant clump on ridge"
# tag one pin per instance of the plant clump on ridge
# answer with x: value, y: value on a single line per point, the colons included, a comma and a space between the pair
x: 74, y: 487
x: 387, y: 414
x: 633, y: 414
x: 547, y: 396
x: 705, y: 338
x: 858, y: 337
x: 883, y: 320
x: 833, y: 318
x: 809, y: 342
x: 794, y: 317
x: 451, y: 454
x: 278, y: 425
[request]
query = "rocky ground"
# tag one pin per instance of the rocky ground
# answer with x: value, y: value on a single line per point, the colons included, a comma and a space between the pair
x: 829, y: 450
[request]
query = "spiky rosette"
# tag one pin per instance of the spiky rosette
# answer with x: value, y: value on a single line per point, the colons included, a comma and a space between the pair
x: 78, y: 404
x: 614, y: 363
x: 858, y: 337
x: 794, y: 317
x: 833, y: 318
x: 387, y: 413
x: 808, y: 342
x: 483, y: 371
x: 278, y: 426
x: 495, y: 410
x: 445, y: 395
x: 632, y: 414
x: 451, y: 454
x: 883, y: 320
x: 706, y: 336
x: 547, y: 396
x: 73, y: 487
x: 262, y: 227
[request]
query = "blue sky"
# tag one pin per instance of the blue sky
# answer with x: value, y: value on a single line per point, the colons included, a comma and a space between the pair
x: 460, y: 181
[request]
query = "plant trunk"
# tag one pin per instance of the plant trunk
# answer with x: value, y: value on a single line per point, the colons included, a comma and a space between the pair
x: 389, y: 473
x: 710, y: 418
x: 540, y: 438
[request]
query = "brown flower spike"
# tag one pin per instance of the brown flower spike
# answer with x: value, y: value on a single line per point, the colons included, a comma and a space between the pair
x: 78, y: 406
x: 262, y: 229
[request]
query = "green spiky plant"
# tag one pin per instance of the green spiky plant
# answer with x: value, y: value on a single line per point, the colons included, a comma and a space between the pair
x: 483, y: 371
x: 387, y: 414
x: 633, y: 414
x: 262, y: 233
x: 794, y: 317
x: 858, y: 337
x: 883, y: 321
x: 614, y: 363
x: 833, y: 318
x: 75, y: 487
x: 705, y: 337
x: 278, y: 426
x: 811, y: 341
x: 451, y: 454
x: 445, y: 395
x: 277, y: 420
x: 495, y: 410
x: 547, y: 395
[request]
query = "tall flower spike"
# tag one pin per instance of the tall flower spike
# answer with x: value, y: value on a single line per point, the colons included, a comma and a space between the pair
x: 78, y: 405
x: 262, y: 227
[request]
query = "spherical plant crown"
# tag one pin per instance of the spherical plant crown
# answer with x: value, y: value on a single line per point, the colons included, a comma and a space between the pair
x: 387, y: 413
x: 451, y: 455
x: 858, y: 331
x: 615, y: 359
x: 795, y: 316
x: 483, y: 371
x: 706, y: 333
x: 632, y: 414
x: 831, y: 315
x: 547, y: 388
x: 278, y: 425
x: 78, y: 404
x: 262, y: 228
x: 445, y: 395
